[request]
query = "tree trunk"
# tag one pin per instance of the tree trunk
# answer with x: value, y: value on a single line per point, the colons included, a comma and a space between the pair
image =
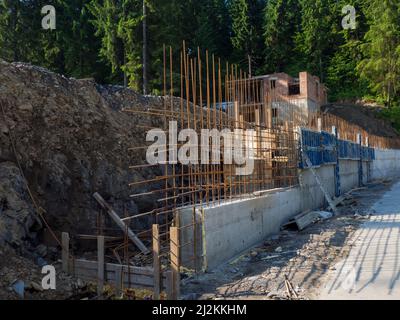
x: 144, y: 48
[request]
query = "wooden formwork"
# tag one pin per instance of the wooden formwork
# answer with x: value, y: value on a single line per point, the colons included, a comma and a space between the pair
x: 125, y: 276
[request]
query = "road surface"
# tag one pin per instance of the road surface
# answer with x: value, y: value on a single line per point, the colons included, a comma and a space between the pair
x: 372, y: 269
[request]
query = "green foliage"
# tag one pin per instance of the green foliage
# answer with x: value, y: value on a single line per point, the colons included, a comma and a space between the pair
x: 317, y: 37
x: 103, y: 39
x: 18, y: 36
x: 213, y: 29
x: 246, y: 38
x: 117, y: 24
x: 342, y: 77
x: 381, y: 65
x: 392, y: 114
x: 281, y: 24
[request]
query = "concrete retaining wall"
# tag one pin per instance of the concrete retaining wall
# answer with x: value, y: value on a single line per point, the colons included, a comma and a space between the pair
x: 386, y: 165
x: 224, y: 231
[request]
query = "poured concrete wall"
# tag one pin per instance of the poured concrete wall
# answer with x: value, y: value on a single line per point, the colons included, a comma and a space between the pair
x: 224, y: 231
x: 386, y: 165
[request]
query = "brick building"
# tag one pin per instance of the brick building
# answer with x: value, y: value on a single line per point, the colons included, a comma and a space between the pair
x: 282, y: 98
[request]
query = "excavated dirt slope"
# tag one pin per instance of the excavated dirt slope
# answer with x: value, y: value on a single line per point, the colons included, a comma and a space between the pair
x: 366, y: 116
x: 71, y: 139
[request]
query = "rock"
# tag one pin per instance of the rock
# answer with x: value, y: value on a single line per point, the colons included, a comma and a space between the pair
x: 68, y: 288
x: 274, y: 238
x: 52, y: 253
x: 41, y: 262
x: 19, y: 288
x: 25, y: 107
x: 18, y: 215
x: 325, y: 215
x: 35, y: 286
x: 272, y: 295
x: 80, y: 284
x: 41, y: 250
x: 3, y: 129
x: 254, y: 254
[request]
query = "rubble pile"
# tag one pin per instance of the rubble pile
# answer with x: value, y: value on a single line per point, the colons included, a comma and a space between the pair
x: 71, y: 139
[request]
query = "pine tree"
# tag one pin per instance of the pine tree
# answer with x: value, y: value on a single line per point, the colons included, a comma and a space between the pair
x: 117, y: 23
x: 381, y: 67
x: 282, y: 23
x: 213, y: 29
x: 19, y: 30
x: 342, y: 77
x: 80, y: 45
x: 316, y: 40
x: 246, y: 19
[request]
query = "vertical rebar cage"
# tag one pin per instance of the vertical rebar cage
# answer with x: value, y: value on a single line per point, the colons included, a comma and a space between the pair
x: 206, y: 96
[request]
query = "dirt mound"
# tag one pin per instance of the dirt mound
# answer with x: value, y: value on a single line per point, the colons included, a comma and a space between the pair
x: 365, y: 116
x: 71, y: 139
x: 17, y: 217
x: 21, y: 278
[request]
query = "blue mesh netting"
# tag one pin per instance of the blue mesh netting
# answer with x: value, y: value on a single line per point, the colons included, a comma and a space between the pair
x: 320, y: 148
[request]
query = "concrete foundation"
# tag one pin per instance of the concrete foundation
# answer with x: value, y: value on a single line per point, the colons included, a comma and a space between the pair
x: 224, y: 231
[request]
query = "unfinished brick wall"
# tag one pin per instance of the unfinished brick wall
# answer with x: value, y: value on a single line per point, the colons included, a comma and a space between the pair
x: 312, y: 88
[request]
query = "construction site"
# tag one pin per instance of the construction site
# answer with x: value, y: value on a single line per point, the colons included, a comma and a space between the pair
x: 77, y: 191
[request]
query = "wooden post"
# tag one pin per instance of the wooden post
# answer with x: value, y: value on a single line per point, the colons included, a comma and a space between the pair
x: 258, y: 131
x: 100, y: 265
x: 267, y: 104
x: 118, y: 280
x: 65, y: 252
x: 237, y: 114
x: 121, y: 224
x: 360, y: 163
x: 368, y: 160
x: 319, y: 124
x: 169, y: 279
x: 156, y: 261
x: 338, y: 188
x: 175, y: 262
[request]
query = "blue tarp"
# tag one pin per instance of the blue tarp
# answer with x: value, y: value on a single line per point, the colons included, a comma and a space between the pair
x: 321, y: 148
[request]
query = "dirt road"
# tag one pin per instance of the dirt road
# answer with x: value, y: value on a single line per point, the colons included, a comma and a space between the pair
x: 372, y: 268
x: 307, y: 259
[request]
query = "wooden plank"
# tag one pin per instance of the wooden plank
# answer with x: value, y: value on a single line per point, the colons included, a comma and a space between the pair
x: 118, y: 280
x: 169, y: 285
x: 136, y: 280
x: 114, y: 216
x: 304, y: 220
x: 175, y: 261
x: 112, y: 277
x: 91, y: 237
x: 319, y: 182
x: 65, y: 252
x: 100, y: 265
x: 338, y: 201
x: 156, y: 261
x: 86, y: 264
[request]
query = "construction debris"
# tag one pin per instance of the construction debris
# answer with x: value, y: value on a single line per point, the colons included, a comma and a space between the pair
x: 121, y: 224
x: 304, y: 260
